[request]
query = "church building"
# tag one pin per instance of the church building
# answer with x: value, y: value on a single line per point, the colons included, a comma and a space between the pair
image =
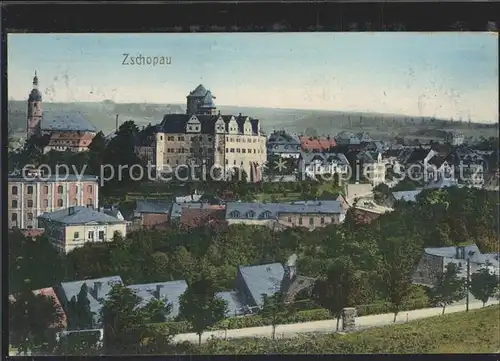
x: 64, y: 131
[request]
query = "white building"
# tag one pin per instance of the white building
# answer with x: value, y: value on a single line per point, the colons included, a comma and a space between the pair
x: 73, y: 227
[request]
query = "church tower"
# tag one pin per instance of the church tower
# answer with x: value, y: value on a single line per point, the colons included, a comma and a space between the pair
x: 34, y: 109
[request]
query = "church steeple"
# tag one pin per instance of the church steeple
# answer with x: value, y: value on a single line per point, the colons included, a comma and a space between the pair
x: 35, y: 81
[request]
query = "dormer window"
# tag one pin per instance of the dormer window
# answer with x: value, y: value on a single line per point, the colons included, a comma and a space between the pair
x: 235, y: 214
x: 250, y: 214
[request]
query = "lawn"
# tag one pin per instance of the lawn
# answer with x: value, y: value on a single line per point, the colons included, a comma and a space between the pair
x: 475, y: 331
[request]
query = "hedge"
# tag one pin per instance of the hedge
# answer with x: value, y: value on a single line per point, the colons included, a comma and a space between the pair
x: 319, y: 314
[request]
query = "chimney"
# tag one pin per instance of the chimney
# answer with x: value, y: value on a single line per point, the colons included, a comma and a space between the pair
x: 97, y: 289
x: 116, y: 122
x: 158, y: 291
x: 71, y: 211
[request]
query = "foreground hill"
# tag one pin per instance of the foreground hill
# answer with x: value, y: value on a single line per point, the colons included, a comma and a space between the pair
x: 464, y: 332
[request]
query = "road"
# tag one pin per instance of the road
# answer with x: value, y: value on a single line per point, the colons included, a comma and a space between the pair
x: 327, y: 326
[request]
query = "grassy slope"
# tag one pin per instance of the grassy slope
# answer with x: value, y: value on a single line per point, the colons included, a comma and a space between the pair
x: 476, y: 331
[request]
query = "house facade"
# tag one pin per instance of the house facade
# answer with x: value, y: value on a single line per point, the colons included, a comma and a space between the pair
x: 307, y: 214
x: 73, y: 227
x: 283, y: 145
x: 323, y: 164
x: 34, y: 194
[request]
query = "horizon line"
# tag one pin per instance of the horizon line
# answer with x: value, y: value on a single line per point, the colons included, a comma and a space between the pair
x: 273, y: 108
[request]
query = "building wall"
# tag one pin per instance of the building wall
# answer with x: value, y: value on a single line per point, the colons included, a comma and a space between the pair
x: 150, y: 220
x: 65, y: 238
x: 69, y: 141
x: 308, y: 220
x: 225, y: 150
x: 35, y: 198
x: 251, y: 222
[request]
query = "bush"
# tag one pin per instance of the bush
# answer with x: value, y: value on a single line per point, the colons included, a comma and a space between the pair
x: 459, y: 332
x: 318, y: 314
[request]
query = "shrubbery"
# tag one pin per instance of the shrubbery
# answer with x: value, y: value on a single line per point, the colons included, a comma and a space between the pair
x: 319, y: 314
x: 459, y: 332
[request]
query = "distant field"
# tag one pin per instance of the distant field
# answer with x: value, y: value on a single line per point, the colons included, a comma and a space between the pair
x: 321, y: 122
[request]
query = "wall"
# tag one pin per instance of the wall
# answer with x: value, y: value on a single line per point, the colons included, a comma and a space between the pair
x: 149, y: 220
x: 293, y: 220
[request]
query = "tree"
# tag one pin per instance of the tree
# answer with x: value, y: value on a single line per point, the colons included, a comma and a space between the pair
x: 201, y: 307
x: 398, y: 264
x: 85, y: 343
x: 125, y: 322
x: 33, y: 322
x: 275, y: 309
x: 483, y: 284
x: 79, y: 308
x: 381, y: 193
x: 449, y: 288
x: 339, y: 288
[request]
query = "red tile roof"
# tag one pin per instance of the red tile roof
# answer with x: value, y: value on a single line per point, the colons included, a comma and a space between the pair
x: 195, y: 217
x: 321, y: 144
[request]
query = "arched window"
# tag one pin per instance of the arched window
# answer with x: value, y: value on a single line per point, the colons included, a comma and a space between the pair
x: 30, y: 216
x: 45, y: 202
x: 59, y: 202
x: 60, y: 189
x: 30, y: 203
x: 89, y: 189
x: 14, y: 190
x: 14, y: 217
x: 14, y: 204
x: 46, y: 189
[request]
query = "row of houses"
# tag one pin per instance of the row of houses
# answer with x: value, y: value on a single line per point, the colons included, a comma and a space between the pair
x: 252, y: 282
x: 246, y: 297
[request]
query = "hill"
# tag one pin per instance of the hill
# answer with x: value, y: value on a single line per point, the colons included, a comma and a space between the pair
x: 311, y: 122
x: 463, y: 332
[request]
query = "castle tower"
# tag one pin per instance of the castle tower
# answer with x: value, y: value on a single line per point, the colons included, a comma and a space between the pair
x: 34, y: 109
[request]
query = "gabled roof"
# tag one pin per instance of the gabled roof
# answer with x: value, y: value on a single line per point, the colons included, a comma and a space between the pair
x: 66, y: 121
x: 79, y: 215
x: 235, y: 306
x: 308, y: 158
x: 407, y: 196
x: 152, y: 206
x: 71, y: 289
x: 171, y: 290
x: 262, y: 279
x: 176, y: 123
x: 443, y: 183
x: 263, y: 211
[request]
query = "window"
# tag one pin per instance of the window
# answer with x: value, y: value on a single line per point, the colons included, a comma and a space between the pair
x: 170, y: 138
x: 235, y: 214
x: 30, y: 203
x: 46, y: 189
x: 76, y: 235
x: 250, y: 214
x: 91, y: 234
x: 59, y: 202
x: 227, y: 150
x: 30, y: 216
x: 89, y: 201
x: 14, y: 204
x: 161, y: 137
x: 101, y: 235
x: 180, y: 139
x: 300, y: 220
x: 322, y: 220
x: 14, y: 217
x: 60, y: 189
x: 30, y: 189
x: 237, y: 150
x: 311, y: 221
x: 232, y: 150
x: 45, y: 203
x: 234, y: 162
x: 249, y: 150
x: 89, y: 189
x: 75, y: 201
x: 289, y: 219
x: 227, y: 161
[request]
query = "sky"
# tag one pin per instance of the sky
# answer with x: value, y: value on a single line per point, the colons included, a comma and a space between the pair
x: 446, y: 75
